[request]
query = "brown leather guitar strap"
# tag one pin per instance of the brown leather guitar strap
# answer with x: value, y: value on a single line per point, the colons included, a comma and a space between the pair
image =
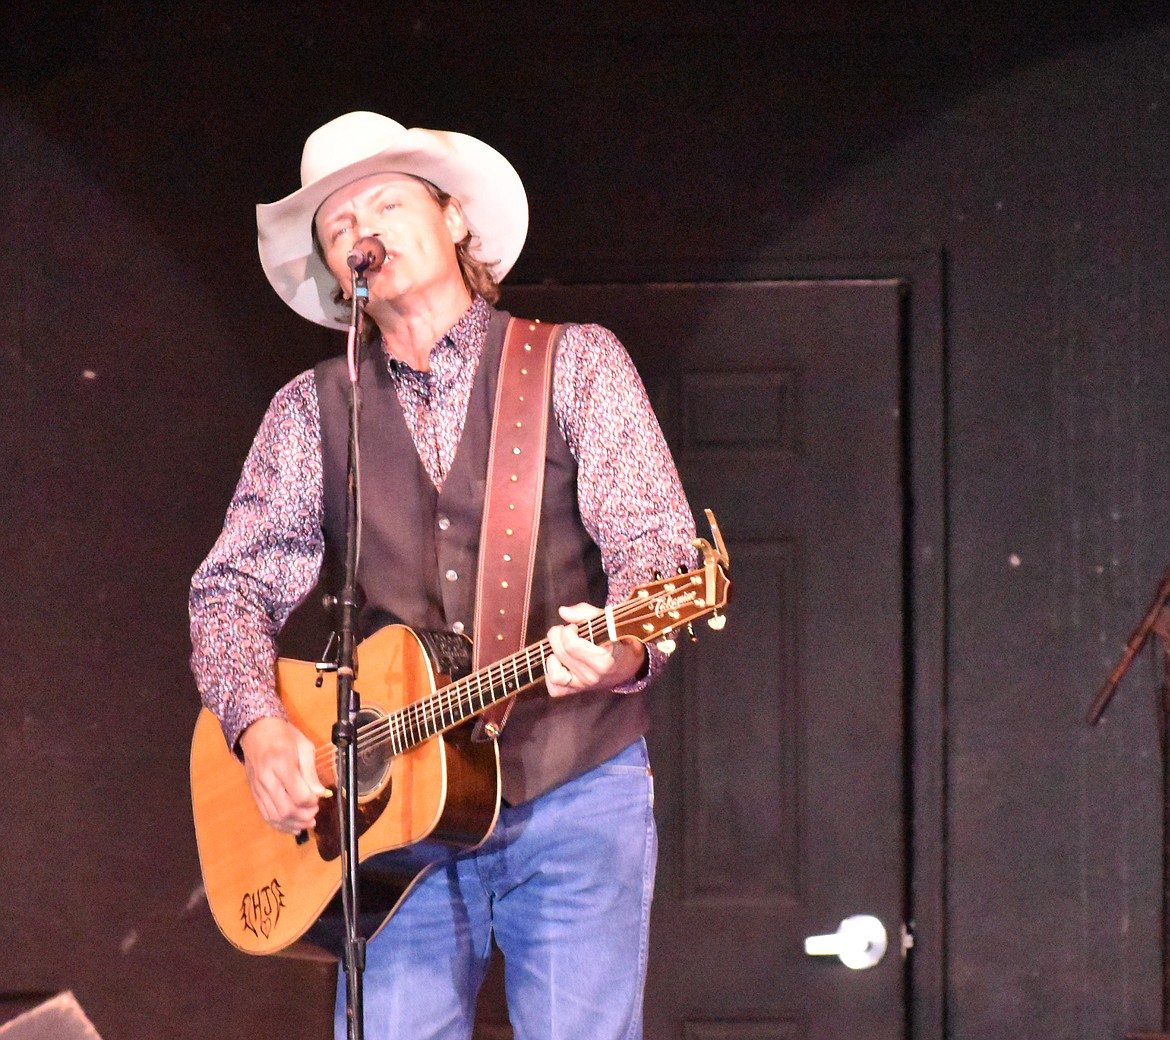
x: 511, y: 504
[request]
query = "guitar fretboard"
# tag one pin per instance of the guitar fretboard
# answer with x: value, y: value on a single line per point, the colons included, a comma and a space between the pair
x: 456, y: 702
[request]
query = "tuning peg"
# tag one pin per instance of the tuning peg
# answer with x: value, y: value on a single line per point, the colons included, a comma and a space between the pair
x: 666, y: 645
x: 691, y: 632
x: 717, y: 621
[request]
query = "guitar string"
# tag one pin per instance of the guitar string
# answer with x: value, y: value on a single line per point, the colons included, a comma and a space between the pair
x: 414, y: 722
x: 415, y: 719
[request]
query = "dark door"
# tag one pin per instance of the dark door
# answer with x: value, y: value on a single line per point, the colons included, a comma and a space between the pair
x: 778, y: 743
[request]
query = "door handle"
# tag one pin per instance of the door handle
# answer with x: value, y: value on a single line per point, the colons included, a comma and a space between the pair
x: 859, y: 942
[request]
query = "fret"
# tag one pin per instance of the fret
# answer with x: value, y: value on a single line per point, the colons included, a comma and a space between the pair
x: 411, y: 724
x: 653, y: 611
x: 460, y: 703
x: 474, y: 692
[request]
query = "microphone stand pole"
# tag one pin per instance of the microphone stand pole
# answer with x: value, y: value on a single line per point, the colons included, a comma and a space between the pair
x: 1132, y: 646
x: 1153, y: 621
x: 345, y: 730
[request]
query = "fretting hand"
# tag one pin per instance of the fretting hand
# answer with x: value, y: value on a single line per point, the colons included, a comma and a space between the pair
x: 578, y: 665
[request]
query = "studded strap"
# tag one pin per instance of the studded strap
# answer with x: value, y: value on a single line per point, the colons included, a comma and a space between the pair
x: 511, y: 508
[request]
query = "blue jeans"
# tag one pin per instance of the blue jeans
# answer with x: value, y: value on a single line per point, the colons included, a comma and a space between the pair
x: 564, y: 883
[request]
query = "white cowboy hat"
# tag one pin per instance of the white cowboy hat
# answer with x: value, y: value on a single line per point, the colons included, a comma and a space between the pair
x: 357, y: 145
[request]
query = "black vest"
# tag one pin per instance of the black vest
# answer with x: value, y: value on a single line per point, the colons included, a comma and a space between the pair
x: 420, y: 548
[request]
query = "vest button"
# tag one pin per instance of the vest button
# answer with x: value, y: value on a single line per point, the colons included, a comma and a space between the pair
x: 451, y: 576
x: 457, y: 628
x: 444, y: 523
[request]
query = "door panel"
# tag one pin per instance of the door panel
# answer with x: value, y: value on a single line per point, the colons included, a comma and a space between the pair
x: 777, y: 743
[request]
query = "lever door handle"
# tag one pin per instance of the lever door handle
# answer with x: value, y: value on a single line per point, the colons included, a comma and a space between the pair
x: 859, y: 942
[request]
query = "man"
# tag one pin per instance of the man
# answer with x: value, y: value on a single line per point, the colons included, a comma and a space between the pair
x: 564, y: 881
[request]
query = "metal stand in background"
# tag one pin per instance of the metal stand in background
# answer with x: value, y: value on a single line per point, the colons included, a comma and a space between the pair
x: 1156, y: 620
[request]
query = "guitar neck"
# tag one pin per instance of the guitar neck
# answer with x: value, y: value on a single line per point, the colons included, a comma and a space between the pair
x: 653, y: 610
x: 461, y: 700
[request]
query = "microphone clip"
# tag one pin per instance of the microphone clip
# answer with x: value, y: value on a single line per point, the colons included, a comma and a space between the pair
x: 368, y: 254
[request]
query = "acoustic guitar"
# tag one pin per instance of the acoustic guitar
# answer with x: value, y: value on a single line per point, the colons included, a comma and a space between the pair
x: 426, y: 790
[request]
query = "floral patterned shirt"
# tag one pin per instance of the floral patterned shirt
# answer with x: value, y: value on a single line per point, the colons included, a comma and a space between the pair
x: 267, y: 558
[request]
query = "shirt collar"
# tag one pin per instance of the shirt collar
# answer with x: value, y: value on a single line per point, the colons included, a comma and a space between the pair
x: 460, y: 345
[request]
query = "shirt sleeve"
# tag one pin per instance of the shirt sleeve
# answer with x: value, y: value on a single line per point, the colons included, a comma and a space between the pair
x: 265, y: 561
x: 628, y: 490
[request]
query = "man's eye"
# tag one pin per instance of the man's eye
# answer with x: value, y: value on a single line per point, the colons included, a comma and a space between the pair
x: 387, y: 206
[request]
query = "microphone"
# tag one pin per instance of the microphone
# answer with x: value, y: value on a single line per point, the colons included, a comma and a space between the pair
x: 368, y: 254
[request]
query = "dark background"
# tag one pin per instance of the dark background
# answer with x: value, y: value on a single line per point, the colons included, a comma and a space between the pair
x: 1024, y: 152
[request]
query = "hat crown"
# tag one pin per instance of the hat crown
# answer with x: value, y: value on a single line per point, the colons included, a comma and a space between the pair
x: 362, y: 144
x: 344, y: 141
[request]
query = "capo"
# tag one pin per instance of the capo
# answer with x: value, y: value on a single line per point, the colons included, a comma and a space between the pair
x: 712, y: 557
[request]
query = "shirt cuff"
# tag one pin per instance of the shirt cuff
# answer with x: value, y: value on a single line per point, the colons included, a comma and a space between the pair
x: 651, y: 668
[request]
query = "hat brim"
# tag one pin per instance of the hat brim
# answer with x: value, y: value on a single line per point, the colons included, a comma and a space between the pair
x: 488, y: 188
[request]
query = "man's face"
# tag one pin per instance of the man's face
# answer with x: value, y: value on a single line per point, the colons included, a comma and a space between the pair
x: 419, y: 235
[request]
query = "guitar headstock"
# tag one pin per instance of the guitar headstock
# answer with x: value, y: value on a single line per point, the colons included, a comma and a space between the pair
x: 659, y: 607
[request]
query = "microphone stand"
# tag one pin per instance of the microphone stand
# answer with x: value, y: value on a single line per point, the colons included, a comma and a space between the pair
x: 1155, y: 620
x: 345, y: 730
x: 1132, y: 646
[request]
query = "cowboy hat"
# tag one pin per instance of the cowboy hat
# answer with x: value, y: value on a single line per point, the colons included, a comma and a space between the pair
x: 357, y: 145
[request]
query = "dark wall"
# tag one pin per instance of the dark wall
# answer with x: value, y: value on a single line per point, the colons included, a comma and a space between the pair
x: 140, y: 344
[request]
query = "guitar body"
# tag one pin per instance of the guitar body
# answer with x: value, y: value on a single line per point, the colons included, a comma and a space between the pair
x: 426, y: 790
x: 275, y: 893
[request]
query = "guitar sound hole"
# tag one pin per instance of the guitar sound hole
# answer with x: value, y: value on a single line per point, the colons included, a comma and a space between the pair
x: 373, y: 758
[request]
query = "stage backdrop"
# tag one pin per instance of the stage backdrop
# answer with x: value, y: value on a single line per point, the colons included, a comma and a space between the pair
x: 1007, y: 173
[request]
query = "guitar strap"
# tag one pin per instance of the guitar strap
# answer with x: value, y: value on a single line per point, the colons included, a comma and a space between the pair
x: 511, y: 504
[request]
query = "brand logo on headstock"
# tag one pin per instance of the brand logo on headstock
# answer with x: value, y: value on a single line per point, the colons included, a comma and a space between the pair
x: 669, y: 603
x: 260, y: 910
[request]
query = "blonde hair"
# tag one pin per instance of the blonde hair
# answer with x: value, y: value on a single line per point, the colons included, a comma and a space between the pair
x: 478, y: 275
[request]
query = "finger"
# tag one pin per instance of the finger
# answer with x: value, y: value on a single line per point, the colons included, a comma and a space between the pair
x: 307, y: 755
x: 556, y: 639
x: 286, y: 799
x: 575, y: 674
x: 266, y: 806
x: 562, y: 638
x: 562, y: 674
x: 578, y: 612
x: 558, y: 678
x: 584, y: 659
x: 277, y: 811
